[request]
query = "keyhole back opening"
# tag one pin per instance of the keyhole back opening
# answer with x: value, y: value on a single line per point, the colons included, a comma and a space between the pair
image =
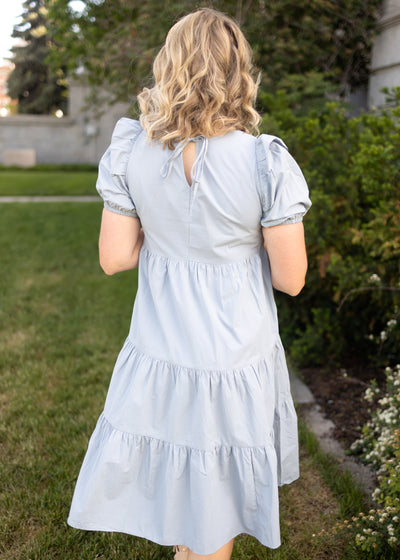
x: 188, y: 159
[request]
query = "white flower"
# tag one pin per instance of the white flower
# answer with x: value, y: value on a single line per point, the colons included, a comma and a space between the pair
x: 369, y: 394
x: 374, y: 279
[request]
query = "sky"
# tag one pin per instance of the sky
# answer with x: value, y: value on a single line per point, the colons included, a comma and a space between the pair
x: 10, y: 12
x: 9, y: 17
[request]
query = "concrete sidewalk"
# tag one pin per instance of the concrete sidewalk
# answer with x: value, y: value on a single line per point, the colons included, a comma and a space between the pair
x: 323, y: 429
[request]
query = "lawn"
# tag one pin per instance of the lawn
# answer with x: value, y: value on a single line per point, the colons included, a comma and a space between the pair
x: 62, y: 323
x: 47, y: 181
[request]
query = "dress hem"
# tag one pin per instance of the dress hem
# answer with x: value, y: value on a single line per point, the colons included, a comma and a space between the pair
x: 90, y: 526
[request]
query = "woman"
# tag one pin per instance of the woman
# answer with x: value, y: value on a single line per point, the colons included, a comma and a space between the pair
x: 199, y: 428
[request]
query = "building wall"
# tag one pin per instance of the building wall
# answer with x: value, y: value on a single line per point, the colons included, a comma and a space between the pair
x: 385, y: 62
x: 76, y: 138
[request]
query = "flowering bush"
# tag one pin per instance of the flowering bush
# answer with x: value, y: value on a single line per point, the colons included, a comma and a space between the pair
x: 379, y: 442
x: 378, y: 531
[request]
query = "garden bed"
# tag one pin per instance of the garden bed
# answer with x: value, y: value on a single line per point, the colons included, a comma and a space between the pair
x: 340, y: 394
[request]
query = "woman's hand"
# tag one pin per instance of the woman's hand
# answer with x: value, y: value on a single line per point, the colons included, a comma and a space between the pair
x: 286, y: 250
x: 121, y: 239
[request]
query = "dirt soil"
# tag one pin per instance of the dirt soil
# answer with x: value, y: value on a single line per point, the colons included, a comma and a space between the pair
x: 340, y: 394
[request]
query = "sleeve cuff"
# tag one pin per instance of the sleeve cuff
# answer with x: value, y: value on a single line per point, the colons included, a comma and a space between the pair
x: 283, y: 221
x: 112, y: 207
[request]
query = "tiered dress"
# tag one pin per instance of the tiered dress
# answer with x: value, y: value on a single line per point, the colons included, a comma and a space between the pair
x: 199, y: 428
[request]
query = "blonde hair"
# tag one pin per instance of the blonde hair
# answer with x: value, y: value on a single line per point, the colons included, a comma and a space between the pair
x: 204, y: 81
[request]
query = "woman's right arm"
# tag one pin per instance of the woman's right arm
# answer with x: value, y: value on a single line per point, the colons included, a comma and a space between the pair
x: 286, y: 249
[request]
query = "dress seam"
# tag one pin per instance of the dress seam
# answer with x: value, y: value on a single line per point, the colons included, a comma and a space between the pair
x: 214, y: 451
x: 238, y: 370
x: 205, y: 263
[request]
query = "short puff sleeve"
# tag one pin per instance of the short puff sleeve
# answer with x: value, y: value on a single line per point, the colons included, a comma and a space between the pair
x: 111, y: 181
x: 283, y: 189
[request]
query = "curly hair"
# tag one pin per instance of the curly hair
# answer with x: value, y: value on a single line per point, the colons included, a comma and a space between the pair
x: 204, y: 81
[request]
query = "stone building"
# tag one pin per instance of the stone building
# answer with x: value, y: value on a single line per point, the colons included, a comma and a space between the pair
x: 385, y: 62
x: 79, y: 137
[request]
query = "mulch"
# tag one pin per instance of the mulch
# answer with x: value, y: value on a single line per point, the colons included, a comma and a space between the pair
x: 340, y: 395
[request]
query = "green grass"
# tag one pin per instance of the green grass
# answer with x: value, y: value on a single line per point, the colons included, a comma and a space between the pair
x: 47, y: 182
x: 350, y: 495
x: 62, y: 324
x: 67, y: 167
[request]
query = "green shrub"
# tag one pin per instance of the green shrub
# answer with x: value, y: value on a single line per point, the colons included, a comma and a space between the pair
x: 352, y: 165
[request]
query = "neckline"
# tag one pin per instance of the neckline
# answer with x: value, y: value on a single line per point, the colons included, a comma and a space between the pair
x: 208, y: 138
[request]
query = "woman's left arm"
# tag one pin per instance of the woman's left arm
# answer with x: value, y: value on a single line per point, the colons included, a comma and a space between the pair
x: 121, y: 239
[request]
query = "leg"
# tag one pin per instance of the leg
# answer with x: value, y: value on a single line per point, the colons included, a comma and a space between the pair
x: 224, y: 553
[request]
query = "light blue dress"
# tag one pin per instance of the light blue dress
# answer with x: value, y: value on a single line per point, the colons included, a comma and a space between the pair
x: 199, y: 428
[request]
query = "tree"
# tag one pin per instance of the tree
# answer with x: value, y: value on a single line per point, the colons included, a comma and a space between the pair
x: 39, y: 89
x: 299, y: 36
x: 116, y: 40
